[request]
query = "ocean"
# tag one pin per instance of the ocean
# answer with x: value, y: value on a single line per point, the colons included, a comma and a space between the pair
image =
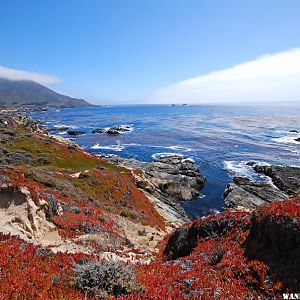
x: 220, y: 139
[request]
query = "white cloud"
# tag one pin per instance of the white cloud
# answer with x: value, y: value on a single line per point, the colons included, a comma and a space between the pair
x: 14, y: 74
x: 270, y: 78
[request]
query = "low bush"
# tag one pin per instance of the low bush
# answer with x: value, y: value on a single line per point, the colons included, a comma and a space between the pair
x: 103, y: 278
x: 127, y: 214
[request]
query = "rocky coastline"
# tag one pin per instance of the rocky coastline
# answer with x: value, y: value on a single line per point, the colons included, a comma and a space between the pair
x: 68, y: 218
x: 167, y: 180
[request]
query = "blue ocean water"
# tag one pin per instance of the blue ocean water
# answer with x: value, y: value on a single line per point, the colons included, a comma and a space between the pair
x: 220, y: 139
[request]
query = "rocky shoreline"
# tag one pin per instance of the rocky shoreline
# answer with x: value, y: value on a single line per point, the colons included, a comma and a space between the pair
x: 167, y: 180
x: 68, y: 218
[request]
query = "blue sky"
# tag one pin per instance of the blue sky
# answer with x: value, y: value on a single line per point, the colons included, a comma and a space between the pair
x: 117, y: 51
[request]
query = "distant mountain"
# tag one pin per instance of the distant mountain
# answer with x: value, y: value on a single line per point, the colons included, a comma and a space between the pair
x: 25, y: 92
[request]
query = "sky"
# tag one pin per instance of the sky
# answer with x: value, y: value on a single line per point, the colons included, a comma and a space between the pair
x: 155, y: 51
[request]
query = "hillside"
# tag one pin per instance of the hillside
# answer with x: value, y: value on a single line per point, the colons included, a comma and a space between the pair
x: 25, y: 92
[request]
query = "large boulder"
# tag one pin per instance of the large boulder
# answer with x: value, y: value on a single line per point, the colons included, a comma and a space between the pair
x: 176, y: 177
x: 285, y: 178
x: 170, y: 179
x: 264, y: 242
x: 244, y: 193
x: 184, y: 239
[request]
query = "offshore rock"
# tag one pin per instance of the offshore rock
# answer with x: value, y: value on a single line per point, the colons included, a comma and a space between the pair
x: 98, y: 130
x: 75, y: 132
x: 112, y: 131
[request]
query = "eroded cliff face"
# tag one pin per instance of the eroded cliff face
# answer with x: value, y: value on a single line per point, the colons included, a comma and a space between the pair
x: 21, y: 216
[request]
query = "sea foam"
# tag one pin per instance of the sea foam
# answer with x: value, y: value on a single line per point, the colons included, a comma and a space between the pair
x: 117, y: 147
x: 288, y: 139
x: 240, y: 168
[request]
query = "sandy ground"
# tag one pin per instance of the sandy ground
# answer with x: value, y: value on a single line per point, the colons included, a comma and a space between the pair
x: 21, y: 216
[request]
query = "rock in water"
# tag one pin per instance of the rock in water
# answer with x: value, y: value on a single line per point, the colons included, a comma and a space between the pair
x: 244, y: 193
x: 112, y: 131
x: 124, y: 128
x: 75, y: 132
x: 98, y: 130
x: 285, y: 178
x: 59, y: 128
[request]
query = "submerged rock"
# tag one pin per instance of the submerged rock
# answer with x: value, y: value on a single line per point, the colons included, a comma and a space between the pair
x: 118, y: 129
x: 113, y: 130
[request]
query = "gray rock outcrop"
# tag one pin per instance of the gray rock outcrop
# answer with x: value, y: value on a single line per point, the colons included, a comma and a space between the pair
x: 244, y: 193
x: 170, y: 179
x: 285, y: 178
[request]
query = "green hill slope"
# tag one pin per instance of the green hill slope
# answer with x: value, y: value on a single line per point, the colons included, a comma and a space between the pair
x: 25, y: 92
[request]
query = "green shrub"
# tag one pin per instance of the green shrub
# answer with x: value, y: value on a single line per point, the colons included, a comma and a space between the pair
x: 127, y: 214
